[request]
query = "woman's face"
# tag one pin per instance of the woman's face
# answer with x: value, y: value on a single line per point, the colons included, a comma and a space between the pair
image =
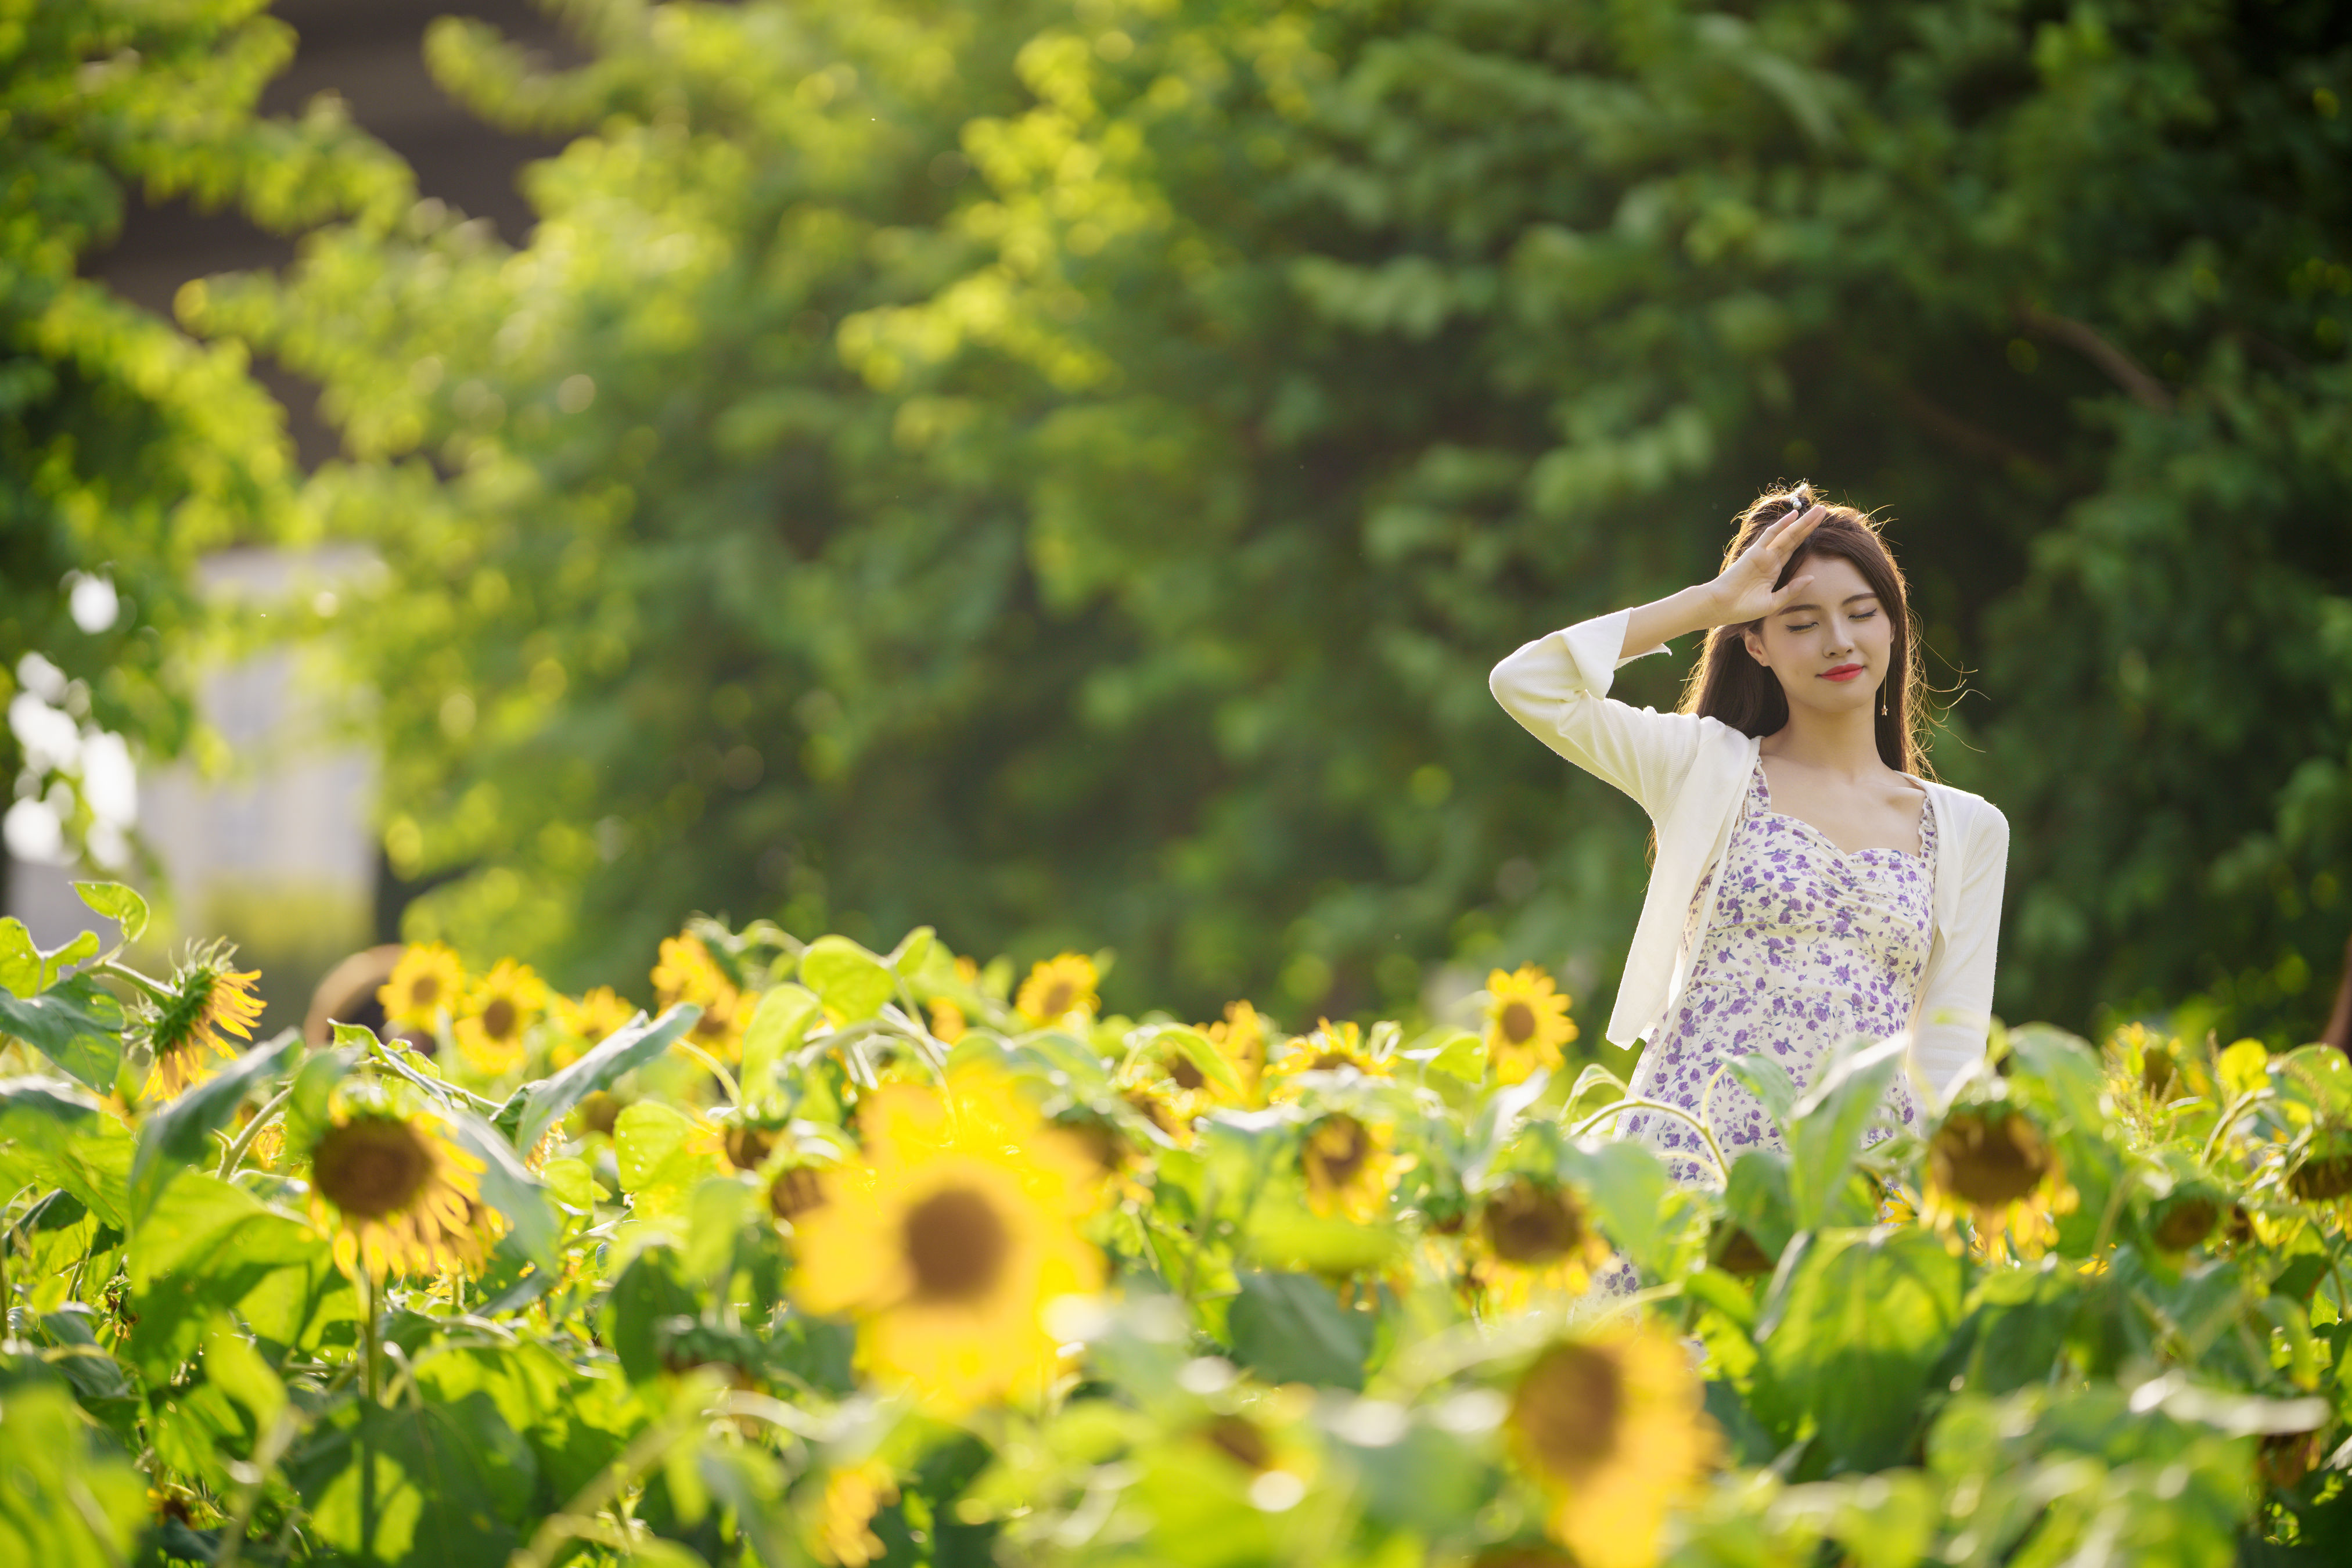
x: 1830, y: 646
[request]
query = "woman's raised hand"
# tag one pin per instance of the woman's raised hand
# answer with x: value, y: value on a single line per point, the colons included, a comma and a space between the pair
x: 1744, y: 591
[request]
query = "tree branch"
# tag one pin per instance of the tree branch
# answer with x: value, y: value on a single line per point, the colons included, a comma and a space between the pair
x: 2121, y: 368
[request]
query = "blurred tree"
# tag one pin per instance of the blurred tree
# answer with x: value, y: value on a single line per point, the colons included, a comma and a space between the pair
x: 126, y: 448
x: 1064, y: 471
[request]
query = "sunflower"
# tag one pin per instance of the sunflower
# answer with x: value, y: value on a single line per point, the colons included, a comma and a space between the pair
x: 795, y: 1190
x: 187, y: 1028
x: 947, y: 1238
x: 1526, y: 1024
x: 1060, y: 986
x: 1347, y: 1167
x: 1994, y: 1162
x: 1533, y: 1238
x: 1162, y: 1100
x: 499, y: 1009
x: 587, y: 1023
x: 688, y: 973
x: 844, y: 1532
x: 947, y: 1020
x: 1332, y: 1048
x: 427, y: 981
x: 1241, y: 1035
x: 1612, y: 1427
x: 2322, y: 1171
x: 397, y: 1195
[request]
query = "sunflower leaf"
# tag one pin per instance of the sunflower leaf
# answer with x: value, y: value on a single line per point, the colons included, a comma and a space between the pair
x: 20, y: 961
x: 118, y: 903
x: 74, y: 1024
x: 1826, y: 1125
x: 508, y: 1187
x: 630, y: 1047
x: 853, y: 982
x: 1289, y: 1327
x: 180, y: 1134
x: 1197, y: 1048
x: 777, y: 1026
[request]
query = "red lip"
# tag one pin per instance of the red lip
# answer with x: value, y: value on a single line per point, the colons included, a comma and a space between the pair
x: 1843, y: 673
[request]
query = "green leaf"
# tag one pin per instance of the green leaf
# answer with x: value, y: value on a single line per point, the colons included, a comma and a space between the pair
x: 508, y: 1187
x: 1641, y: 1211
x: 1460, y: 1053
x: 1290, y: 1328
x: 51, y: 1133
x: 180, y: 1133
x: 71, y: 1501
x: 1203, y: 1053
x: 778, y: 1025
x: 1774, y: 1089
x: 208, y: 1247
x: 309, y: 1109
x: 1756, y: 1198
x: 645, y: 1295
x: 913, y: 951
x: 1853, y: 1323
x: 644, y: 1136
x: 851, y: 982
x: 74, y: 1024
x: 627, y: 1048
x: 20, y: 961
x: 59, y: 959
x: 421, y: 1481
x: 2018, y: 1324
x: 1828, y: 1123
x: 118, y: 903
x: 237, y: 1370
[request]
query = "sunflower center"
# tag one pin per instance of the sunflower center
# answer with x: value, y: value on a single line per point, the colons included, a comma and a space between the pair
x: 1519, y: 1022
x: 1342, y: 1147
x: 2186, y: 1223
x: 424, y: 991
x: 1529, y: 1225
x: 1993, y: 1165
x: 372, y: 1168
x: 1569, y: 1408
x: 747, y: 1147
x: 795, y: 1192
x: 499, y: 1018
x: 1186, y: 1074
x: 1056, y: 999
x: 1239, y: 1437
x: 957, y: 1246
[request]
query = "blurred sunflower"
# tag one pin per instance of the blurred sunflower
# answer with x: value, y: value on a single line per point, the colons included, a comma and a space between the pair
x: 2321, y: 1170
x: 1526, y: 1024
x: 427, y: 981
x: 688, y: 973
x: 499, y: 1009
x: 1993, y: 1163
x: 187, y: 1029
x: 744, y: 1140
x: 795, y: 1190
x: 947, y: 1020
x: 844, y: 1532
x: 1348, y: 1168
x: 1533, y: 1238
x: 583, y: 1024
x: 1331, y: 1047
x: 1057, y: 987
x: 396, y: 1194
x: 1612, y: 1427
x: 1162, y: 1100
x: 948, y: 1238
x: 1241, y: 1035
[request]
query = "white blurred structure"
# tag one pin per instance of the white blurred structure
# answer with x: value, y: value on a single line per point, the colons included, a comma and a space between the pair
x: 280, y: 844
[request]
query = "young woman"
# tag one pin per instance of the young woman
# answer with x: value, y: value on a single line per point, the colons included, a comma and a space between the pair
x: 1810, y: 885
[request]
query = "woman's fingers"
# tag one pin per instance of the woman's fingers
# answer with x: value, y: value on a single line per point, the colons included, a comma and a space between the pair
x: 1795, y: 585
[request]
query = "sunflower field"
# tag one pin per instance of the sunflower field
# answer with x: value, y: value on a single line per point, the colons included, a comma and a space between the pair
x: 856, y: 1258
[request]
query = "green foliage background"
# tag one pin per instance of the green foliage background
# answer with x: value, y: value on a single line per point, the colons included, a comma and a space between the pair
x: 126, y: 448
x: 1061, y: 471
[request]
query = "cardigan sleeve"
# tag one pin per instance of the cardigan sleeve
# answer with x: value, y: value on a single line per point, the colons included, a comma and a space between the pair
x: 1956, y: 1008
x: 1556, y: 687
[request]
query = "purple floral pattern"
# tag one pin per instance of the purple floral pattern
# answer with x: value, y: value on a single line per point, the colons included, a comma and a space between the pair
x: 1808, y: 946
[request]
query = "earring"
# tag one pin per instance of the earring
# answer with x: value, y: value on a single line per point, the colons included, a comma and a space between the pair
x: 1881, y: 700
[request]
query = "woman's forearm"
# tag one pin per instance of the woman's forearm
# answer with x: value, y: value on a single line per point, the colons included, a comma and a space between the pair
x: 1694, y: 609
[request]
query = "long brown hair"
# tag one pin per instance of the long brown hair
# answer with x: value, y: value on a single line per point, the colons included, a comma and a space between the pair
x: 1730, y: 685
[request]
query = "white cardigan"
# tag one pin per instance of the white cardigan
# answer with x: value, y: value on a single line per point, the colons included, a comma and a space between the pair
x: 1689, y: 773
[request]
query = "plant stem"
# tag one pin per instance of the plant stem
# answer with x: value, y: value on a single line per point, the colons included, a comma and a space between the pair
x: 156, y: 990
x: 373, y: 1369
x: 261, y: 1118
x: 1715, y: 1150
x: 726, y: 1078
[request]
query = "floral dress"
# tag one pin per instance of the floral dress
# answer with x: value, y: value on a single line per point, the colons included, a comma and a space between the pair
x: 1808, y: 946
